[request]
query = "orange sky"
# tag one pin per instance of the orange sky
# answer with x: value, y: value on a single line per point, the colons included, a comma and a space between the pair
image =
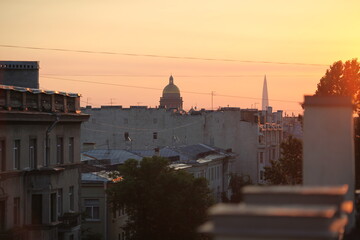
x: 312, y: 32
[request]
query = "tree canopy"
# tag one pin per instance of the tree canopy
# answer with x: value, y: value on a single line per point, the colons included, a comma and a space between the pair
x: 288, y: 169
x: 237, y: 182
x: 342, y: 79
x: 161, y: 203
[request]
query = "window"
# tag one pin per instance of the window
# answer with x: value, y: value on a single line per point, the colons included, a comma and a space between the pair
x: 261, y: 157
x: 59, y: 150
x: 261, y: 139
x: 2, y: 156
x: 36, y: 209
x: 71, y: 198
x: 32, y: 153
x: 17, y: 211
x: 2, y: 215
x: 155, y: 135
x: 92, y: 209
x: 127, y: 136
x: 126, y: 121
x: 155, y: 120
x: 60, y: 202
x: 71, y: 149
x: 114, y: 211
x: 261, y: 175
x: 17, y: 154
x: 53, y: 207
x: 273, y: 154
x: 46, y: 152
x: 121, y: 210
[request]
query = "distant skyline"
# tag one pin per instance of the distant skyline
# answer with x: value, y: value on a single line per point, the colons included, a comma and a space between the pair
x: 280, y: 33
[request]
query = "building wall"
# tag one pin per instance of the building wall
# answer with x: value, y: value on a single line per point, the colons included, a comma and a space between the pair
x: 34, y: 189
x: 230, y: 128
x: 216, y: 173
x: 110, y: 223
x: 95, y: 191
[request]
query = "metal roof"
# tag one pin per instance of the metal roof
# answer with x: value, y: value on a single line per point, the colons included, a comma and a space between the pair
x: 163, y: 152
x: 37, y: 91
x: 116, y: 156
x: 93, y: 177
x: 193, y: 151
x: 179, y: 166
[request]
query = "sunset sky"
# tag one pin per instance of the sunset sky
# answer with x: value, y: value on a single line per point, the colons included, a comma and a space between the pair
x: 312, y: 34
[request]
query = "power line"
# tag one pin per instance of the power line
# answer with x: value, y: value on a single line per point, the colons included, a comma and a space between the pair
x: 151, y: 88
x: 162, y: 56
x: 180, y: 76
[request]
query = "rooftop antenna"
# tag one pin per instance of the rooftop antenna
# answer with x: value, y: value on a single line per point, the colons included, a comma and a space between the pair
x: 111, y: 101
x: 87, y: 101
x: 212, y: 100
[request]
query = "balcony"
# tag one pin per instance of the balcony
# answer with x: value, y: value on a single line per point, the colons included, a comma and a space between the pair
x: 69, y: 220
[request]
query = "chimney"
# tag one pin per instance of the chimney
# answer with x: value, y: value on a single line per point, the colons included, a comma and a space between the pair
x: 329, y: 143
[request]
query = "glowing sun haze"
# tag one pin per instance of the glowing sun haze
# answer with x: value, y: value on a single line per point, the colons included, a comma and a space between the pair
x: 278, y: 31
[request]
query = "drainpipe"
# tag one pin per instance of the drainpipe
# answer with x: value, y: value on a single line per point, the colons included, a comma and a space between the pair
x: 47, y: 145
x: 106, y: 211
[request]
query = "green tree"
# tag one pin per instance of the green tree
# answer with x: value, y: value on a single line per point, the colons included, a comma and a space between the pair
x: 237, y: 182
x: 288, y: 169
x: 161, y: 203
x: 342, y: 79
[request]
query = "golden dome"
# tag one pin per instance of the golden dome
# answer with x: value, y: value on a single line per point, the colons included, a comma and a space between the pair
x: 171, y: 88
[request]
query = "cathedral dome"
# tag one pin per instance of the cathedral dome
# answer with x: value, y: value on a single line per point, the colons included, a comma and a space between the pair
x: 171, y: 89
x: 171, y: 96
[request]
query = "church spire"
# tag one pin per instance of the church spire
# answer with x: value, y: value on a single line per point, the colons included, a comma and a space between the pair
x: 265, y: 98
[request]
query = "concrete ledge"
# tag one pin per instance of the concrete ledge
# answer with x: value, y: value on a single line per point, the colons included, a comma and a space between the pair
x: 328, y: 101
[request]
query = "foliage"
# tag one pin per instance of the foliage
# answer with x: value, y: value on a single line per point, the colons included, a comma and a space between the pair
x: 342, y: 79
x: 288, y: 169
x: 237, y: 182
x: 161, y: 203
x: 87, y: 233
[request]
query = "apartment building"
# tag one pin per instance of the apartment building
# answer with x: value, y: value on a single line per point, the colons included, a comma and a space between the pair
x: 39, y: 164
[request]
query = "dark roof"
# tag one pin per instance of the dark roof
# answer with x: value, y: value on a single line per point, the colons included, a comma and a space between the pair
x: 163, y: 152
x: 37, y: 91
x: 196, y: 151
x: 115, y: 156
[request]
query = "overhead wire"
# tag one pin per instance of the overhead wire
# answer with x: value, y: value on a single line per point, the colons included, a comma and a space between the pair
x: 180, y: 76
x: 151, y: 88
x: 161, y: 56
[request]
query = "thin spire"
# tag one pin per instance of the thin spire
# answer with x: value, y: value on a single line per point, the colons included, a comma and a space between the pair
x: 265, y: 98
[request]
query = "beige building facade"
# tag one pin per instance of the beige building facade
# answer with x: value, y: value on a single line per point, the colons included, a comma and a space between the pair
x: 39, y: 158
